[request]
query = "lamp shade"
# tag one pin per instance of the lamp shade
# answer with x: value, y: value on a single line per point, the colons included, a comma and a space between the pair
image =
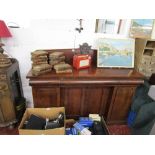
x: 4, y: 31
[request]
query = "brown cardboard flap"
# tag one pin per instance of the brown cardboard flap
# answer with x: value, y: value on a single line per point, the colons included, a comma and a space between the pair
x: 56, y: 131
x: 45, y: 112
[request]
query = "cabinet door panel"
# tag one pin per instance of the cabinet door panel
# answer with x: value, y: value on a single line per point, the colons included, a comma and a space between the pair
x: 46, y: 97
x: 72, y: 99
x: 85, y: 100
x: 120, y: 104
x: 96, y: 100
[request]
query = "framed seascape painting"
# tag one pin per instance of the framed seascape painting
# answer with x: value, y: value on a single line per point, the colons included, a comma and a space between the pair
x: 141, y: 28
x: 115, y: 53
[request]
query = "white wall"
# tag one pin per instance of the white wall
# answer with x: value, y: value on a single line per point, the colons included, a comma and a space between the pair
x: 46, y: 34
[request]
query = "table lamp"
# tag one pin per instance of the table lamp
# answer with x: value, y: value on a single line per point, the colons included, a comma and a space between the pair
x: 4, y: 33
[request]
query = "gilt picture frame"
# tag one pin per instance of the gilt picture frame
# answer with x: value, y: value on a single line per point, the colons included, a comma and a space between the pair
x: 117, y: 53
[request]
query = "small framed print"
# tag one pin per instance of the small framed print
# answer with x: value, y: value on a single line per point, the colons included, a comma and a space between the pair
x: 141, y: 28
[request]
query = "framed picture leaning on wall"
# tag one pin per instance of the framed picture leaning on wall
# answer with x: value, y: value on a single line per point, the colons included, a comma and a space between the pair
x: 141, y: 28
x: 108, y: 26
x: 115, y: 52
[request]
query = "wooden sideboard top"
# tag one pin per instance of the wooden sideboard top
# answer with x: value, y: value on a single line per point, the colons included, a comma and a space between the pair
x: 92, y: 73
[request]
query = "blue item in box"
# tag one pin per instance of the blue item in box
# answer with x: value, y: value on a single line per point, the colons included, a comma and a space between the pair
x: 82, y: 129
x: 74, y: 131
x: 86, y: 121
x: 71, y: 131
x: 86, y: 124
x: 68, y: 131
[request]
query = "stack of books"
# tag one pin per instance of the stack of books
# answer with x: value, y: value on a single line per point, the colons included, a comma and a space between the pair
x: 5, y: 61
x: 41, y: 69
x: 39, y: 57
x: 63, y: 68
x: 56, y: 58
x: 40, y: 62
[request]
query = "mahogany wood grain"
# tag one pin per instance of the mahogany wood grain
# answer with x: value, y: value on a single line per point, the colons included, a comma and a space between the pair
x: 46, y: 97
x: 120, y: 104
x: 72, y: 99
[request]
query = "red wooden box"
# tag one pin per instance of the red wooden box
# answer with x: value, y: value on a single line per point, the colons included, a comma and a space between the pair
x: 81, y: 61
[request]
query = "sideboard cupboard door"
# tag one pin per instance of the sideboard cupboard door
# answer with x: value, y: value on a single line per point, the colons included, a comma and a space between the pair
x: 82, y: 101
x: 120, y: 104
x: 72, y: 98
x: 45, y: 97
x: 96, y: 99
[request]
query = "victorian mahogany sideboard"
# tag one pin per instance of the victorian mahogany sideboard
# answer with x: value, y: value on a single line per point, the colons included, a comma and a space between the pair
x: 106, y: 91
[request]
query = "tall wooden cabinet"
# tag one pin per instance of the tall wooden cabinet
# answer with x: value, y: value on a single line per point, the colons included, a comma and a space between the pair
x: 10, y: 90
x: 95, y: 90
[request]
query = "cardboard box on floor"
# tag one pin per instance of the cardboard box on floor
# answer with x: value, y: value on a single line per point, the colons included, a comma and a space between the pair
x: 44, y: 113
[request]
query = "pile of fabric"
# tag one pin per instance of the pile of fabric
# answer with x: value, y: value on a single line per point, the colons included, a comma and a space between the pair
x: 5, y: 61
